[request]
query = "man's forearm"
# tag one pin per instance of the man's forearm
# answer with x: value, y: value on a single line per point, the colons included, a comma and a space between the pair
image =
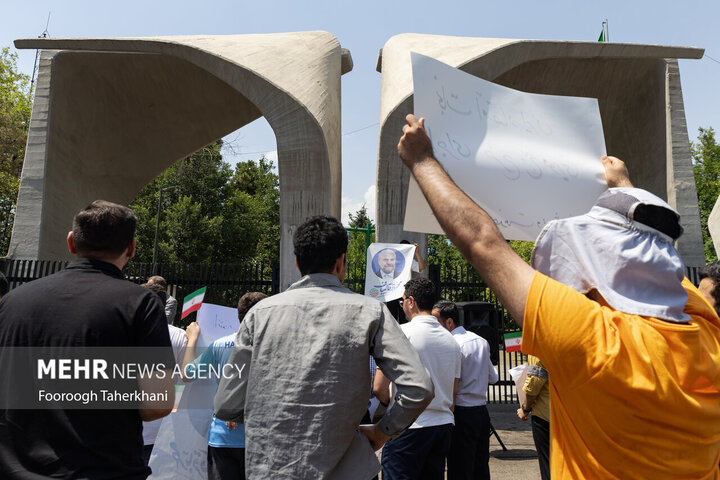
x: 476, y: 236
x: 188, y: 358
x: 459, y: 216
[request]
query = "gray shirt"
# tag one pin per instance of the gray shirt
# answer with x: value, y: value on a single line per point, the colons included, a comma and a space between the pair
x: 170, y: 308
x: 303, y: 390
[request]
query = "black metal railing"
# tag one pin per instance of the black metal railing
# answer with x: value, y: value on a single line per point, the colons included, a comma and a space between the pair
x: 228, y: 282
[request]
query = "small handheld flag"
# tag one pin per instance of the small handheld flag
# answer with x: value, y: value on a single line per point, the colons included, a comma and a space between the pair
x: 193, y: 302
x: 513, y: 341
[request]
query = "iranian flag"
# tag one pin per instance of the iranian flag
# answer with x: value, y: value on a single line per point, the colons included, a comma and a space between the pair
x: 513, y: 341
x: 193, y: 302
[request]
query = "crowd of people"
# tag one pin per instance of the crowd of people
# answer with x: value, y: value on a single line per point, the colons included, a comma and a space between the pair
x: 624, y: 353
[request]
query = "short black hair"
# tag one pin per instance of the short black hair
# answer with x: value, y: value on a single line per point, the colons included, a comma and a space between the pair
x: 447, y: 309
x: 248, y: 301
x: 423, y: 291
x: 103, y: 228
x: 4, y: 285
x: 712, y: 272
x: 318, y: 243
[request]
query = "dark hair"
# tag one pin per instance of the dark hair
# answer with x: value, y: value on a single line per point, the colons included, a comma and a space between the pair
x: 103, y: 228
x: 447, y: 309
x: 247, y: 301
x: 318, y: 243
x: 157, y: 280
x: 4, y: 285
x: 423, y: 291
x: 157, y: 290
x: 712, y: 272
x: 404, y: 242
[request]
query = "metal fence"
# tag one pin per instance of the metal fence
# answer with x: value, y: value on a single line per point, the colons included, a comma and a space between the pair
x: 228, y: 282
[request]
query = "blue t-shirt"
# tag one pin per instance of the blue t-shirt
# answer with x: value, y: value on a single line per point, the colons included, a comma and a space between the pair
x: 216, y: 356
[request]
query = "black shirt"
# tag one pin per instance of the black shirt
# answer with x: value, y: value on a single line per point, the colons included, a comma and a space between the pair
x: 88, y: 304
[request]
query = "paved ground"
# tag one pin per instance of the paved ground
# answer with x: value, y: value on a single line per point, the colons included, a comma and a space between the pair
x: 519, y: 462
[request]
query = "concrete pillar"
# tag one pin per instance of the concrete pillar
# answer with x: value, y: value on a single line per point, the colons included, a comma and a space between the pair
x: 637, y: 87
x: 122, y: 110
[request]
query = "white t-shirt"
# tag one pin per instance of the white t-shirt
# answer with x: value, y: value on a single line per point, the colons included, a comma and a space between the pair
x: 477, y: 369
x: 440, y: 354
x: 178, y: 339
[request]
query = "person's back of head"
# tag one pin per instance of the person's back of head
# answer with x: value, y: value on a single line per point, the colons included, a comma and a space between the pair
x: 157, y: 290
x: 103, y: 230
x: 710, y: 284
x: 445, y: 311
x: 422, y: 291
x: 157, y: 280
x: 248, y: 301
x: 318, y: 243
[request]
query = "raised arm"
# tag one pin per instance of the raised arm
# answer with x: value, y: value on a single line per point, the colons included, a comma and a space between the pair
x: 616, y: 173
x: 193, y: 333
x: 467, y: 225
x: 418, y: 257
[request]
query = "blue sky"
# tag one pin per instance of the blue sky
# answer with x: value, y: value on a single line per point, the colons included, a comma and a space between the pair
x: 364, y: 27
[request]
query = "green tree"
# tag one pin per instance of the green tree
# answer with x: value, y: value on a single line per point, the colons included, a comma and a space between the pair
x: 251, y: 227
x: 15, y: 109
x: 441, y: 251
x: 211, y: 214
x: 357, y: 253
x: 706, y: 167
x: 522, y: 248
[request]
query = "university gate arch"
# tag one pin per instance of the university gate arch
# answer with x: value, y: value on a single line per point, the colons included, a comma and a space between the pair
x: 112, y: 114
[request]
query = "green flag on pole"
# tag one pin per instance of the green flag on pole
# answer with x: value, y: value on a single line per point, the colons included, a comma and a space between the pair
x: 602, y: 36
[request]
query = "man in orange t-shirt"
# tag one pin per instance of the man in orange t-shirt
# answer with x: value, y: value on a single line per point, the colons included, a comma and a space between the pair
x: 632, y: 348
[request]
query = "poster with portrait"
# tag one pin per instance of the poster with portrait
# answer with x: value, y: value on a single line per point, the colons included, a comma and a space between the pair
x: 389, y: 266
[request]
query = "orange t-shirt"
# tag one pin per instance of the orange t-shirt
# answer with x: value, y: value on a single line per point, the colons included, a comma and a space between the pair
x: 631, y: 396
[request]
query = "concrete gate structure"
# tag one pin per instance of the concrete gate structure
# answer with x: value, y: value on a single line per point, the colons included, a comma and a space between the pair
x: 637, y: 86
x: 111, y: 114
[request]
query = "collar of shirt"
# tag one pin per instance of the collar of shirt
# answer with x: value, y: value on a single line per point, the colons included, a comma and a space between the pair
x: 425, y: 319
x: 94, y: 264
x: 316, y: 280
x: 459, y: 330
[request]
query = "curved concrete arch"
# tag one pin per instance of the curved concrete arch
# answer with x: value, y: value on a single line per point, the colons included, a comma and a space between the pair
x: 111, y: 114
x: 637, y: 86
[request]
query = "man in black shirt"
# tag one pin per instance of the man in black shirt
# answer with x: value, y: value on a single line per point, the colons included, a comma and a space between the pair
x: 89, y: 304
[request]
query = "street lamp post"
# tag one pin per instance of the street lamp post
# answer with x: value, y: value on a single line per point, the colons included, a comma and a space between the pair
x: 157, y: 227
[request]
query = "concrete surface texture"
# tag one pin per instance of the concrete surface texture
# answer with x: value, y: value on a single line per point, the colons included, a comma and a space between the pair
x: 112, y: 114
x: 519, y: 461
x: 637, y: 86
x: 713, y: 223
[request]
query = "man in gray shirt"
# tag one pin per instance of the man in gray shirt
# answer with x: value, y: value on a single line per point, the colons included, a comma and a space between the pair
x: 302, y: 358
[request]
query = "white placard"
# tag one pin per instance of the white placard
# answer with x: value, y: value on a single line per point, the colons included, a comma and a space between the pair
x: 180, y: 450
x: 216, y: 321
x: 388, y: 268
x: 524, y: 158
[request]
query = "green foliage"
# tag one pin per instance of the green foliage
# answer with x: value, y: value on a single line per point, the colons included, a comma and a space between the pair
x: 441, y: 251
x: 15, y: 109
x: 357, y: 253
x: 706, y: 166
x: 524, y: 249
x: 210, y: 214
